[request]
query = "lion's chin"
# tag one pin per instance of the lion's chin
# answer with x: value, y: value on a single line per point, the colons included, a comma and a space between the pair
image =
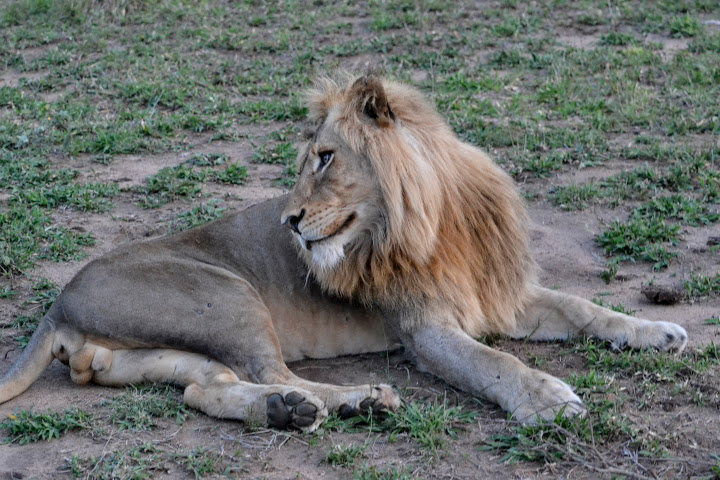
x: 327, y: 255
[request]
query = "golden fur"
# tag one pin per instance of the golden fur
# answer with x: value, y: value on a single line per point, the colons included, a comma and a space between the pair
x: 455, y: 225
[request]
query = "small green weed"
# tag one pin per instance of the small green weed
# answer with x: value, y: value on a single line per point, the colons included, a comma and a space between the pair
x: 573, y: 197
x: 138, y: 407
x: 685, y: 26
x: 208, y: 159
x: 387, y: 472
x: 618, y: 39
x: 344, y: 455
x: 702, y: 285
x: 199, y: 215
x: 632, y: 238
x: 24, y: 426
x: 234, y: 174
x: 139, y: 463
x: 430, y: 424
x: 28, y: 234
x: 171, y: 183
x: 202, y: 462
x: 283, y: 153
x: 147, y: 460
x: 8, y: 292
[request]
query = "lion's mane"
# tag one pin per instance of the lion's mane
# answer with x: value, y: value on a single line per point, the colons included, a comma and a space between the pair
x: 452, y: 231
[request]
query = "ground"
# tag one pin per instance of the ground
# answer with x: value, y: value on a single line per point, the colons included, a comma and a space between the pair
x: 125, y: 120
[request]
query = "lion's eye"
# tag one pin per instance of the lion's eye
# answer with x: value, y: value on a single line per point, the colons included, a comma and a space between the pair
x: 326, y: 158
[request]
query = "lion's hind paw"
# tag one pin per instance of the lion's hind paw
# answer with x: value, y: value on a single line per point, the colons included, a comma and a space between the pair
x: 295, y: 411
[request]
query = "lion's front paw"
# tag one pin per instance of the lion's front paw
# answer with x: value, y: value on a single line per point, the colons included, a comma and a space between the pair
x: 544, y: 397
x: 662, y: 336
x: 295, y: 410
x: 382, y: 399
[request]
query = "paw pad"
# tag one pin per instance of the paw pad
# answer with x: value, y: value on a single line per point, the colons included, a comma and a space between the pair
x: 290, y: 412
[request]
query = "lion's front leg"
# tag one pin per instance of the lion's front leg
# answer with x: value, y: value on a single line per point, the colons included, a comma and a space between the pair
x: 553, y: 315
x: 457, y: 358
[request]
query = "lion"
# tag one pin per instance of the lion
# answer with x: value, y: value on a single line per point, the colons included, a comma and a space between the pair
x: 396, y: 232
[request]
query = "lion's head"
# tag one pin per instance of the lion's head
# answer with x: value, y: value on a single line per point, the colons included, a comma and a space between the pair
x: 391, y: 208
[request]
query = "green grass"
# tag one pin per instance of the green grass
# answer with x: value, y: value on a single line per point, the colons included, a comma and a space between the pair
x: 430, y: 424
x: 574, y: 197
x: 24, y: 427
x: 148, y: 460
x: 198, y: 215
x: 345, y: 455
x: 139, y: 408
x: 702, y: 285
x: 43, y: 295
x: 635, y: 238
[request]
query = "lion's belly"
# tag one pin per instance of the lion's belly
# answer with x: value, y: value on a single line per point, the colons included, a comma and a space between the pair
x: 321, y: 328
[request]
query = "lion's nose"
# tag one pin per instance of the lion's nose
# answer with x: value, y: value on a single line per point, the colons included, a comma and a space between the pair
x: 293, y: 221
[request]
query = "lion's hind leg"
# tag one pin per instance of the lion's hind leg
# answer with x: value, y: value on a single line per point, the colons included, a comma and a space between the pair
x: 553, y: 315
x: 210, y: 386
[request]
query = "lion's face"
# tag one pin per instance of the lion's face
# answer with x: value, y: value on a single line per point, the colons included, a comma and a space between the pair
x: 335, y: 203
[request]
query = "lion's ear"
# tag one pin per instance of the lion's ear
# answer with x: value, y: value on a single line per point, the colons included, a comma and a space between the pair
x: 369, y: 96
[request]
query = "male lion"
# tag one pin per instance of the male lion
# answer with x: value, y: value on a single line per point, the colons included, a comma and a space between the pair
x: 397, y: 231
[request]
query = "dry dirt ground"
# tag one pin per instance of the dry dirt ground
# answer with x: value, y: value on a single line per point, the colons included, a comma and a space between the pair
x: 564, y: 246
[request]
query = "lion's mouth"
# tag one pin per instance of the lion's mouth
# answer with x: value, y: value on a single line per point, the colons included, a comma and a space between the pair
x: 346, y: 224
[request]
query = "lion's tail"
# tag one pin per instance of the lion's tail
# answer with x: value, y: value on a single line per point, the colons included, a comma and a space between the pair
x: 32, y: 362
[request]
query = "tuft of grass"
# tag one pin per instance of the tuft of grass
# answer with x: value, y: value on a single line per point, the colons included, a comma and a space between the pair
x: 24, y: 426
x: 345, y: 455
x: 282, y: 153
x: 147, y: 461
x: 142, y: 462
x: 574, y: 197
x: 29, y: 234
x: 618, y: 39
x: 234, y: 174
x: 43, y: 296
x: 678, y: 207
x: 631, y: 239
x: 202, y: 462
x: 138, y: 408
x: 171, y: 183
x: 208, y: 159
x: 199, y: 215
x: 387, y: 472
x: 685, y: 26
x: 430, y: 424
x: 702, y: 285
